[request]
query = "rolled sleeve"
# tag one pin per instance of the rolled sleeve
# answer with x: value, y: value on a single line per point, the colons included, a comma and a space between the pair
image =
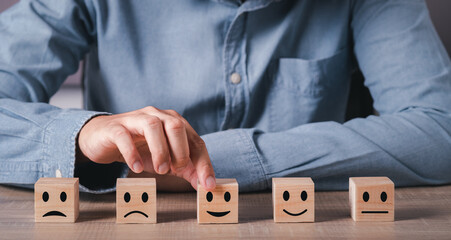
x: 59, y: 154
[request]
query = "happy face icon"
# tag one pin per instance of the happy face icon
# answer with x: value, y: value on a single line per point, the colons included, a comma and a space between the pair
x: 293, y: 200
x: 56, y: 200
x: 136, y: 200
x: 219, y: 205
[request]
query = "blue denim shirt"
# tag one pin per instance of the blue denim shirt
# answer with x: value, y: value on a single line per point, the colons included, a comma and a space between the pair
x: 281, y: 114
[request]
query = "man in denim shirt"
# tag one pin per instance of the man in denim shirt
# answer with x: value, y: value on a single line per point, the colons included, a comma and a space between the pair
x: 262, y: 85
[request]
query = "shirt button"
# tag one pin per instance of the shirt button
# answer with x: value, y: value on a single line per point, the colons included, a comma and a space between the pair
x: 235, y: 78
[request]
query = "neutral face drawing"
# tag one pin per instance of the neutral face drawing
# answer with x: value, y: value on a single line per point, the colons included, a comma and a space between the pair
x: 366, y: 198
x: 371, y: 198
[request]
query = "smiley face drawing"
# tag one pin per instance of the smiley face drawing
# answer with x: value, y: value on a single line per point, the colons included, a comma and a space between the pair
x: 371, y: 198
x: 219, y: 205
x: 56, y: 200
x: 293, y: 200
x: 136, y: 200
x: 227, y: 197
x: 286, y: 197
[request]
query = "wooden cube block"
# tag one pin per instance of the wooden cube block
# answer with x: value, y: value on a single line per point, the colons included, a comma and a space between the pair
x: 372, y: 198
x: 293, y: 199
x: 219, y: 205
x: 136, y: 200
x: 56, y: 200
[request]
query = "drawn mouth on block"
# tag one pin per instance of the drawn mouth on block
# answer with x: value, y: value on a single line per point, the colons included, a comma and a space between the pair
x: 218, y: 214
x: 145, y: 215
x: 54, y: 213
x: 295, y: 214
x: 374, y: 211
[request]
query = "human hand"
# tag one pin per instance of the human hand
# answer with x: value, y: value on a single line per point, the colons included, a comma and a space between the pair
x: 151, y: 140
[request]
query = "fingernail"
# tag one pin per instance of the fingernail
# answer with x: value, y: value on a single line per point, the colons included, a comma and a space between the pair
x: 137, y: 166
x: 210, y: 182
x: 163, y: 168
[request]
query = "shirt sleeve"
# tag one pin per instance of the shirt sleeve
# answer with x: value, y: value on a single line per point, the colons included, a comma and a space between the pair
x: 42, y: 43
x: 408, y: 73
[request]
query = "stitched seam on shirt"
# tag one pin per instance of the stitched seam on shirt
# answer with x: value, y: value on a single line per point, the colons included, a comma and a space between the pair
x: 258, y: 5
x: 248, y: 139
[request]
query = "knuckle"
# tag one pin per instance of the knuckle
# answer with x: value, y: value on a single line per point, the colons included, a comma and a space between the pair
x: 160, y: 155
x: 173, y: 113
x: 204, y: 167
x: 150, y: 109
x: 119, y: 132
x: 198, y: 143
x: 181, y: 161
x: 175, y: 124
x: 152, y: 121
x: 111, y: 125
x: 128, y: 153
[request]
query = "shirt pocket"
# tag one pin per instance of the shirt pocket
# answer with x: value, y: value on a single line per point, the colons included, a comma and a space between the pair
x: 303, y: 91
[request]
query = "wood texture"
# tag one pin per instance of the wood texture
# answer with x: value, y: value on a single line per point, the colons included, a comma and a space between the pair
x: 421, y: 213
x: 293, y: 199
x: 372, y: 199
x: 136, y: 200
x: 219, y: 205
x: 56, y: 200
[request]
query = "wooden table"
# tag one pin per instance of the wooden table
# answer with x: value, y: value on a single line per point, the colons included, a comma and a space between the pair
x: 421, y: 213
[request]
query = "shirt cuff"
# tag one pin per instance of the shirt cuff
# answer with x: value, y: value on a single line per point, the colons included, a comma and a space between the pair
x: 234, y: 155
x: 59, y: 154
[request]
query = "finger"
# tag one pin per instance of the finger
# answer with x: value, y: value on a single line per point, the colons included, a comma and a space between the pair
x: 201, y: 160
x: 157, y: 143
x: 197, y: 151
x: 123, y: 140
x: 178, y: 143
x: 189, y: 174
x: 174, y: 128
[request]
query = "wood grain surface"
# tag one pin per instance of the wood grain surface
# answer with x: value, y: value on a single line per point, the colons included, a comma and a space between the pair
x: 420, y: 213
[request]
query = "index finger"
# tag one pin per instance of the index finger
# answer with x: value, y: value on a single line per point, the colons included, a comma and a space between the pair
x: 200, y: 159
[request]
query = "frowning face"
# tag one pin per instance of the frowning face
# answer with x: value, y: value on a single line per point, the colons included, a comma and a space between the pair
x: 293, y: 200
x: 142, y: 200
x: 136, y: 200
x: 59, y: 202
x: 56, y: 200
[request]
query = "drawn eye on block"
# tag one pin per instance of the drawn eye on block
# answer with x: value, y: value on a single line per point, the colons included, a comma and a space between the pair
x: 56, y: 200
x: 136, y: 200
x: 219, y: 205
x: 293, y: 199
x: 372, y: 198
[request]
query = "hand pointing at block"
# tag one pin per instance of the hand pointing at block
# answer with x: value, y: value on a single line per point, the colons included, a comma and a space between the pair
x: 151, y: 140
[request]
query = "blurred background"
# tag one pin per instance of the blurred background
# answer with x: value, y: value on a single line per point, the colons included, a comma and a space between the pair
x: 70, y: 95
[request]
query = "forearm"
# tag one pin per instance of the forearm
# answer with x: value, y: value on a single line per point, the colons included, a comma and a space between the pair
x: 412, y: 147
